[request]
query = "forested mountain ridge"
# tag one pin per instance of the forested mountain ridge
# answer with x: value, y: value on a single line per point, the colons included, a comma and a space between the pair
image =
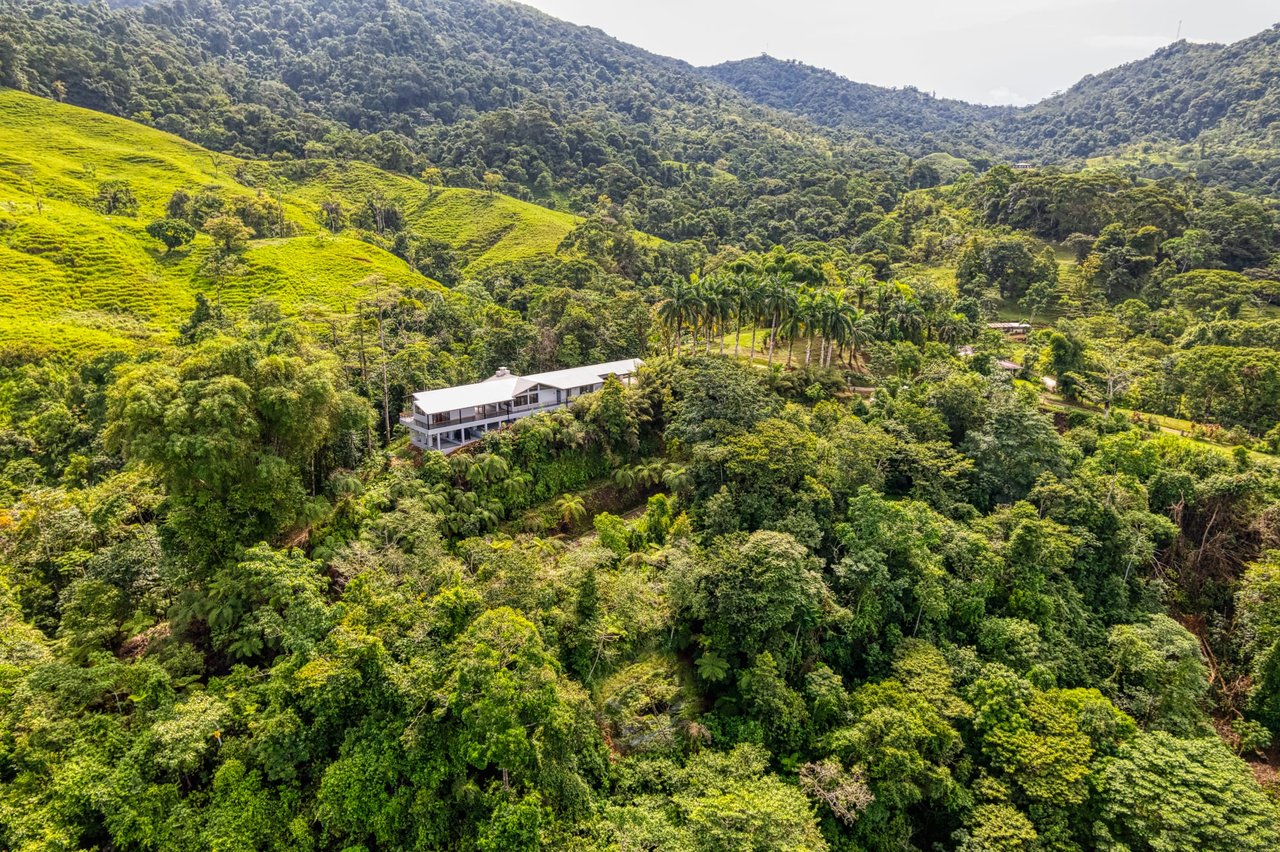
x: 1213, y: 108
x: 906, y: 119
x: 1227, y: 94
x: 560, y: 114
x: 555, y: 113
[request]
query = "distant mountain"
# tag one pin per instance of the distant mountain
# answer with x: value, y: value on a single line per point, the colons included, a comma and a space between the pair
x: 1213, y: 108
x: 1177, y: 94
x: 751, y: 153
x: 906, y: 118
x: 560, y: 114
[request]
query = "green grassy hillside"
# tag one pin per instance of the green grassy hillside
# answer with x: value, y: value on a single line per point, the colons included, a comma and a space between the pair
x: 73, y: 278
x: 486, y: 228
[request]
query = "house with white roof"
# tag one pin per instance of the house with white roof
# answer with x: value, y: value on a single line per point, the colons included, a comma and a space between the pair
x: 449, y: 418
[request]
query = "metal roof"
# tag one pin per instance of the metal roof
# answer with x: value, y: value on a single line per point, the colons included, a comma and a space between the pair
x: 576, y: 377
x: 467, y: 396
x: 504, y: 388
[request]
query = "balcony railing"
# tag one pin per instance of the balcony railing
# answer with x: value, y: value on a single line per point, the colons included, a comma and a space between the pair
x: 409, y: 420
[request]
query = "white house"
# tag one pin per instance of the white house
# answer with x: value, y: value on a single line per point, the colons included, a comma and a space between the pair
x: 449, y: 418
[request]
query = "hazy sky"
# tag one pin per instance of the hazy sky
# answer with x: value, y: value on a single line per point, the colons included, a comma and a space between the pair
x: 989, y: 51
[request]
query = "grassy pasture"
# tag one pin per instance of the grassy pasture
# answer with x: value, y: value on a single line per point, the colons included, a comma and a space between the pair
x: 75, y: 280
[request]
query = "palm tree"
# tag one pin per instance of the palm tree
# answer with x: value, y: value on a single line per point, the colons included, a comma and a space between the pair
x: 840, y: 320
x: 780, y: 299
x: 693, y: 310
x: 571, y: 508
x: 752, y: 303
x: 486, y: 468
x: 650, y: 472
x: 740, y: 286
x: 460, y: 465
x: 547, y: 547
x: 517, y: 484
x: 861, y: 283
x: 725, y: 306
x: 793, y: 326
x: 465, y: 502
x: 861, y: 332
x: 541, y: 426
x: 699, y: 311
x: 436, y: 500
x: 640, y: 558
x: 951, y: 327
x: 798, y: 318
x: 674, y: 312
x: 907, y: 317
x: 831, y: 322
x: 677, y: 478
x: 884, y: 295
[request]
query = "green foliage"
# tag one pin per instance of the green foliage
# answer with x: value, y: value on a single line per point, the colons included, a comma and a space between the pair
x: 1159, y: 676
x: 115, y: 197
x: 1259, y: 601
x: 174, y: 233
x: 755, y: 594
x: 266, y: 603
x: 227, y: 231
x: 716, y: 398
x: 1166, y: 793
x: 829, y: 573
x: 1007, y: 263
x: 724, y: 801
x: 999, y: 826
x: 229, y: 429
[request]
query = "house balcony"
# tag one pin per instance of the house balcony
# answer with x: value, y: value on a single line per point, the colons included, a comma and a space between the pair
x: 459, y: 431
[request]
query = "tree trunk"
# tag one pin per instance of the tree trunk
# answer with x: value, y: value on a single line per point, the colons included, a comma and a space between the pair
x: 773, y: 334
x: 386, y: 391
x: 364, y: 375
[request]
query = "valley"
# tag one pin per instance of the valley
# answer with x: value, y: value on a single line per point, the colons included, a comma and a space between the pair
x: 830, y: 467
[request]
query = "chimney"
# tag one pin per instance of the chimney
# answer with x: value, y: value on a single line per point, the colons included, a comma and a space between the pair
x: 502, y: 373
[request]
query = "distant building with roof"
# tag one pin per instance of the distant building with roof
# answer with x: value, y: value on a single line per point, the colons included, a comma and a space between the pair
x: 449, y: 418
x: 1016, y: 330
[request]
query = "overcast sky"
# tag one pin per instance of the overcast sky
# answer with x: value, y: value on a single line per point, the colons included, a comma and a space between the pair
x: 987, y: 51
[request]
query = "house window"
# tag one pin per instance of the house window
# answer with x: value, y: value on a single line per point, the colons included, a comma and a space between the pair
x: 442, y: 417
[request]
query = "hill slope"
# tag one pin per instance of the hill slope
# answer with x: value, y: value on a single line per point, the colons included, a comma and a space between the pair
x: 1213, y: 108
x: 907, y: 119
x: 557, y: 113
x: 74, y: 277
x: 1177, y: 94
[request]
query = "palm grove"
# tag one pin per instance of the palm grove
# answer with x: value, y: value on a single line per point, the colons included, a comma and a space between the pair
x: 843, y: 569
